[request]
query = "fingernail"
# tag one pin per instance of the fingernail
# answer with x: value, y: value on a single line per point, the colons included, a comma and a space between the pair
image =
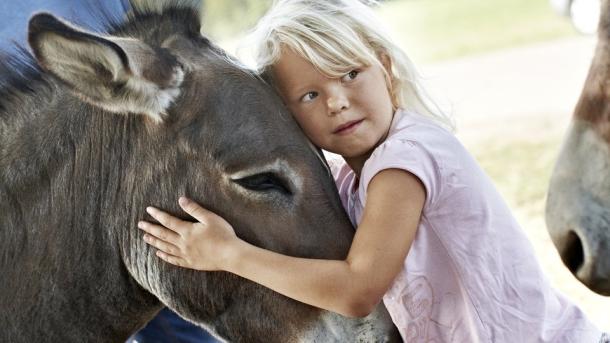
x: 141, y: 225
x: 146, y: 238
x: 150, y: 210
x: 183, y: 201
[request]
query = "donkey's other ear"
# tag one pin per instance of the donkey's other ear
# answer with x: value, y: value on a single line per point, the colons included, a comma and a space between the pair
x: 121, y: 75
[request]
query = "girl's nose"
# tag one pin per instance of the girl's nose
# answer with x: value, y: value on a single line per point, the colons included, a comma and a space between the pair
x: 337, y: 103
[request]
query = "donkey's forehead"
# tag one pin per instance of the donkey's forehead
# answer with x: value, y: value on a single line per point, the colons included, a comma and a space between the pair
x: 160, y: 6
x: 198, y: 53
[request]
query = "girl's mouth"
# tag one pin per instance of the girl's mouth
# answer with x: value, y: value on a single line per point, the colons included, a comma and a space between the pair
x: 347, y: 127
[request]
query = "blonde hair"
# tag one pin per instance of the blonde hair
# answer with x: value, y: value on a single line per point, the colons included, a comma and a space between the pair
x: 337, y: 36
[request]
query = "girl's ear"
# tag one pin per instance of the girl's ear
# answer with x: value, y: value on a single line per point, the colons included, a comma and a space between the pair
x: 386, y: 62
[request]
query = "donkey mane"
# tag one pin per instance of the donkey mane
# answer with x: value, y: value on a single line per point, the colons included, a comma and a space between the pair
x: 18, y: 73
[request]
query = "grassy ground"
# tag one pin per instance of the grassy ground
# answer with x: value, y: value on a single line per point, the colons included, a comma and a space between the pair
x: 520, y: 167
x: 432, y: 30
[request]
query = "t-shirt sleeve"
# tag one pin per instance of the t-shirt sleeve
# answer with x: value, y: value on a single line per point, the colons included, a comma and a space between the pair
x: 407, y: 155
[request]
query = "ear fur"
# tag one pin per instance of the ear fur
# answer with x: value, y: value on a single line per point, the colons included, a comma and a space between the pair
x: 121, y: 75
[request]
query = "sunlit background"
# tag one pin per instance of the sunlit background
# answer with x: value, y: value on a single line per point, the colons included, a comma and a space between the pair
x: 510, y: 71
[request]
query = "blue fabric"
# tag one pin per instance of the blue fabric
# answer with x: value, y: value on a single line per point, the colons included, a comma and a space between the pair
x: 14, y: 15
x: 168, y: 327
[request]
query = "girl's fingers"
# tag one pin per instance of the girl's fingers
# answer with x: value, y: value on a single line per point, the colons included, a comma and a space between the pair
x: 159, y: 232
x: 164, y: 246
x: 166, y: 219
x: 175, y: 260
x: 194, y: 210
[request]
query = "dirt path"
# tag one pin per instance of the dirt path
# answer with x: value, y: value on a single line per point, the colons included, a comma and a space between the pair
x: 517, y: 95
x: 516, y: 86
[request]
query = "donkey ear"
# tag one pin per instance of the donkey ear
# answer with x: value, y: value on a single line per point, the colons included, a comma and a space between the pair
x: 121, y: 75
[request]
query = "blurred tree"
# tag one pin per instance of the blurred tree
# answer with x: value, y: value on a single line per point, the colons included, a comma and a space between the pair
x: 223, y: 19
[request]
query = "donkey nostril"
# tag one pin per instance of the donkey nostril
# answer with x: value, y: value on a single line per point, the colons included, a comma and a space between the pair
x: 573, y: 254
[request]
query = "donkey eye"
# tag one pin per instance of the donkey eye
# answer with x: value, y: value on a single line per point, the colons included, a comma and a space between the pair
x: 264, y: 182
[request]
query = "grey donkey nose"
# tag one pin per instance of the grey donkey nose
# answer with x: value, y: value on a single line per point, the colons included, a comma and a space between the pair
x: 572, y: 253
x: 586, y: 261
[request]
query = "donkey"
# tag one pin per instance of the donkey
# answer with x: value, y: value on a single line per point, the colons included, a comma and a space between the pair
x: 578, y: 199
x: 95, y: 127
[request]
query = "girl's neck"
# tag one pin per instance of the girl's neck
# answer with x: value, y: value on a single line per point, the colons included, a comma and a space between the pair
x: 356, y: 163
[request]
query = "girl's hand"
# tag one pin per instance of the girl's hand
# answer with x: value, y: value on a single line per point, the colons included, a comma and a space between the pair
x: 203, y: 245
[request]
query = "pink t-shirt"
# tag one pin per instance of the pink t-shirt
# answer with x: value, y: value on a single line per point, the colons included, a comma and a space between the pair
x: 471, y: 274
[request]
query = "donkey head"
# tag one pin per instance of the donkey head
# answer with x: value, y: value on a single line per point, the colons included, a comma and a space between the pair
x: 578, y: 199
x: 182, y: 118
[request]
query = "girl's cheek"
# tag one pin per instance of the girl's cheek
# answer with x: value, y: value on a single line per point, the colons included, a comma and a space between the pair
x: 315, y: 133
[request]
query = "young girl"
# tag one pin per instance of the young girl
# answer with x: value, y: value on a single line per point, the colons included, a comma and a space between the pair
x: 434, y: 241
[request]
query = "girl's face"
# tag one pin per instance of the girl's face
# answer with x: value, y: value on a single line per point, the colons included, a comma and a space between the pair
x: 349, y: 115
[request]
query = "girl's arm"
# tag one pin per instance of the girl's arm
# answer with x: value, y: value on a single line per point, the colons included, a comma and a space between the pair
x: 352, y: 287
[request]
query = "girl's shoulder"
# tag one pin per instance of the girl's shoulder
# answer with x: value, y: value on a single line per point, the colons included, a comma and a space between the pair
x: 420, y: 146
x: 409, y: 146
x: 412, y: 126
x: 414, y: 135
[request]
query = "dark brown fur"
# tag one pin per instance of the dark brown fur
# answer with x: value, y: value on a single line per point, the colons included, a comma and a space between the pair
x: 75, y: 179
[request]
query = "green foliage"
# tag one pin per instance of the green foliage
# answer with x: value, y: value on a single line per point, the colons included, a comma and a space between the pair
x: 223, y: 19
x: 441, y: 29
x: 520, y: 164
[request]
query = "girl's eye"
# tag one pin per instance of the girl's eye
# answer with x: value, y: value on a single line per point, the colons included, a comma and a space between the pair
x: 309, y: 96
x: 351, y: 75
